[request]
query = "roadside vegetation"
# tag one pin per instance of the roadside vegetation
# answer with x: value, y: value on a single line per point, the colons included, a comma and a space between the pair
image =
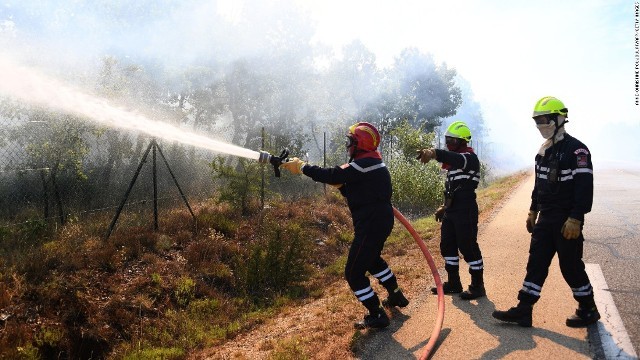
x: 149, y: 295
x: 258, y: 246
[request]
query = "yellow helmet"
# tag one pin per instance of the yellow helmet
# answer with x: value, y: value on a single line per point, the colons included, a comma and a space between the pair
x: 460, y: 130
x: 549, y: 105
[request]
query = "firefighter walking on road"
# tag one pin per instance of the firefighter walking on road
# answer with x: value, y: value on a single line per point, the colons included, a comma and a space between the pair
x: 459, y: 214
x: 562, y: 194
x: 366, y: 183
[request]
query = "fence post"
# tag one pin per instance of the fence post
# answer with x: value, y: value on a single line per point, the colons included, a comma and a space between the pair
x: 155, y: 187
x: 45, y: 193
x: 262, y: 183
x: 126, y: 194
x: 324, y: 155
x: 56, y: 194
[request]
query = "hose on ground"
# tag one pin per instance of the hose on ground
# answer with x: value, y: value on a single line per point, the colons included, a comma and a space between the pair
x: 435, y: 333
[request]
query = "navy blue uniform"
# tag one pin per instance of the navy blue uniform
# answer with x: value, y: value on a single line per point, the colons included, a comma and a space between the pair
x: 459, y: 230
x: 563, y: 189
x: 367, y: 187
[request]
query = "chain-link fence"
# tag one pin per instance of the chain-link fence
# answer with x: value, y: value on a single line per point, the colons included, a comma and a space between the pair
x: 56, y: 168
x: 41, y: 180
x: 60, y: 171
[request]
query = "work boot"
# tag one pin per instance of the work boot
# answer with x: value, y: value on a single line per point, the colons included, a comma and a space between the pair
x: 396, y: 298
x: 583, y: 317
x: 377, y: 320
x: 474, y: 292
x: 449, y: 288
x: 476, y: 289
x: 520, y: 314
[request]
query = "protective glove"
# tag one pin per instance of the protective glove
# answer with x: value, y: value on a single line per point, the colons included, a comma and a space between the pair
x: 531, y: 220
x: 294, y: 166
x: 425, y: 155
x: 440, y: 213
x: 571, y: 228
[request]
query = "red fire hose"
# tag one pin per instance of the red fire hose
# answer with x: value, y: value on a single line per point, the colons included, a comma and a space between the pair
x: 440, y: 318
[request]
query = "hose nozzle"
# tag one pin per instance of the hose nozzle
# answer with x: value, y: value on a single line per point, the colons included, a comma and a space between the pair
x: 276, y: 161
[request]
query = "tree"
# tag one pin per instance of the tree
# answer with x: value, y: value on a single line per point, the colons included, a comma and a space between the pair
x: 470, y: 113
x: 427, y: 92
x: 53, y: 144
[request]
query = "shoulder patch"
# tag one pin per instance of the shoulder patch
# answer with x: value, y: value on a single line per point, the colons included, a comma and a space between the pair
x: 581, y: 160
x: 582, y: 157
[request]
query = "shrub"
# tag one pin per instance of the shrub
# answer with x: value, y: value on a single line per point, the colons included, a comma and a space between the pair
x: 184, y: 291
x: 277, y: 262
x: 417, y: 188
x: 242, y: 182
x: 289, y: 349
x: 156, y: 353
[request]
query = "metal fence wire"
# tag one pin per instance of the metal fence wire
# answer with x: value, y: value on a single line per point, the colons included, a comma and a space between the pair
x: 56, y: 171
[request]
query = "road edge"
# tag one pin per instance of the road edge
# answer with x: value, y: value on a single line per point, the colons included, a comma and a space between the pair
x: 608, y: 336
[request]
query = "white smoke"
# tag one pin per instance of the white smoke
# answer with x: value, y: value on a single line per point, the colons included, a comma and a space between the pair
x: 37, y: 89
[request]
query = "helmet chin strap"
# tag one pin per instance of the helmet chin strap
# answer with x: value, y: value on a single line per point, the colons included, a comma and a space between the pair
x: 555, y: 132
x: 353, y: 152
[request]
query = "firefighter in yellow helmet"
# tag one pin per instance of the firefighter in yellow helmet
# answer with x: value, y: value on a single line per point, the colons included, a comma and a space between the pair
x: 366, y: 183
x: 562, y: 194
x: 459, y: 214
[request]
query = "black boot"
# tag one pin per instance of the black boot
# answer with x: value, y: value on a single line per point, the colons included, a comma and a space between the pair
x: 449, y: 288
x: 396, y: 298
x: 453, y: 284
x: 476, y: 289
x: 520, y: 314
x: 374, y: 320
x: 583, y: 317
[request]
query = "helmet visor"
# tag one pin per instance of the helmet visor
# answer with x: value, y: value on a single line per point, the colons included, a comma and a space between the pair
x: 450, y: 140
x: 543, y: 119
x: 350, y: 141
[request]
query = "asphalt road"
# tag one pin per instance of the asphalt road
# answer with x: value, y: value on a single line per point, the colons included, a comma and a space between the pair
x: 612, y: 234
x: 469, y: 331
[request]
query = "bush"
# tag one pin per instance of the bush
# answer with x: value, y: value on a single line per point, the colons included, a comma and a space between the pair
x: 278, y: 262
x: 184, y: 291
x: 242, y: 182
x: 417, y: 188
x: 156, y: 353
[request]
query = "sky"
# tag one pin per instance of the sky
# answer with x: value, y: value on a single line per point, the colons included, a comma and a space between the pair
x: 511, y: 53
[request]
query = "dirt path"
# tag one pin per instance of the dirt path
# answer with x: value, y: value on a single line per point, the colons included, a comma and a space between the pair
x: 469, y: 331
x: 323, y: 327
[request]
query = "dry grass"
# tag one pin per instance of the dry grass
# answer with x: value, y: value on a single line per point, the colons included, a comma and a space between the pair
x: 182, y: 293
x: 145, y: 294
x: 322, y: 327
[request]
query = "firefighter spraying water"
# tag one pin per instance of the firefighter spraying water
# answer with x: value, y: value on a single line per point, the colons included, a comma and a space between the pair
x: 366, y: 183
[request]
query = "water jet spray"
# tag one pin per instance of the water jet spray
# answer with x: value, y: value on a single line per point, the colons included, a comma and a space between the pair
x: 32, y: 87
